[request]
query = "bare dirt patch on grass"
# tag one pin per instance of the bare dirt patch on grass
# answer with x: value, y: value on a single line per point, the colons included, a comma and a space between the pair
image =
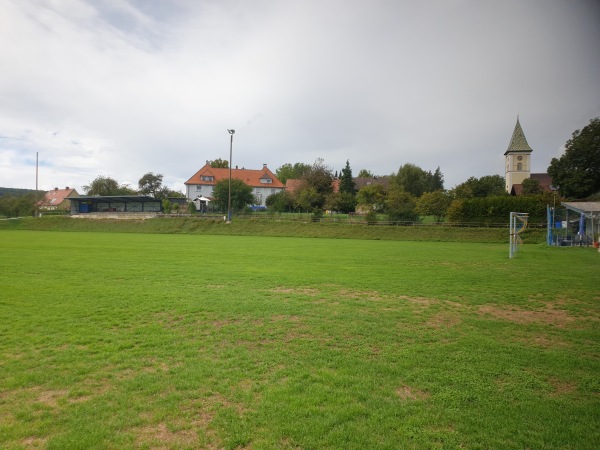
x: 34, y: 442
x: 311, y: 292
x: 561, y: 387
x: 543, y: 341
x: 159, y: 436
x: 444, y: 319
x: 51, y: 398
x: 410, y: 393
x: 549, y: 315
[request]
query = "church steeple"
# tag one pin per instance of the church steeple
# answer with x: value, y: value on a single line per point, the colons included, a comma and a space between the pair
x: 518, y: 142
x: 517, y: 159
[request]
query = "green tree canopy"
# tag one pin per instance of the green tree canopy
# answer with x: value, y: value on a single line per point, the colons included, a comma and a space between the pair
x: 219, y: 163
x: 151, y: 184
x: 436, y: 180
x: 372, y: 197
x: 434, y: 204
x: 320, y: 177
x: 413, y: 179
x: 343, y: 202
x: 346, y: 182
x: 103, y: 185
x: 364, y: 173
x: 309, y: 199
x: 577, y: 171
x: 241, y: 195
x: 531, y: 186
x: 400, y: 206
x: 17, y: 205
x: 291, y: 171
x: 281, y: 201
x: 317, y: 184
x: 486, y: 186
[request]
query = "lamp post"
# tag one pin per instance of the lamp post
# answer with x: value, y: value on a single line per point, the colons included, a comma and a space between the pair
x: 231, y: 133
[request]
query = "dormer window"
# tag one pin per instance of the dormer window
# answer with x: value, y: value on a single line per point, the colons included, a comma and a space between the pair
x: 266, y: 180
x: 207, y: 178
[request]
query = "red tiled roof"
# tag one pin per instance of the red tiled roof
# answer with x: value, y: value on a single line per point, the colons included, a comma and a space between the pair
x: 248, y: 176
x: 292, y: 185
x: 544, y: 179
x: 56, y: 196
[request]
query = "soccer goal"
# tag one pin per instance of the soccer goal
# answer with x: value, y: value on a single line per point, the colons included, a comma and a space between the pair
x: 518, y: 224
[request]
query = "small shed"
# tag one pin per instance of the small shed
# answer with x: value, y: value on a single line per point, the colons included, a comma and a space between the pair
x: 201, y: 203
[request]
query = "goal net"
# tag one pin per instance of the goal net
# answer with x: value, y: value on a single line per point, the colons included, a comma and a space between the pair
x: 518, y: 224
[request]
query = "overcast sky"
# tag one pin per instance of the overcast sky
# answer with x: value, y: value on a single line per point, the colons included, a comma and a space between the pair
x: 125, y: 87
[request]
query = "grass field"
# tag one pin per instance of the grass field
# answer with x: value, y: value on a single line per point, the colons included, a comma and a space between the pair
x: 126, y: 340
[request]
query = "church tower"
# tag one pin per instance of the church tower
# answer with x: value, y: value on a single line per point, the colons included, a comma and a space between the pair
x: 517, y: 158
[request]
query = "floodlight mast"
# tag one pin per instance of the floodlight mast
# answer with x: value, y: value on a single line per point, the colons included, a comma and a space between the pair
x: 231, y: 133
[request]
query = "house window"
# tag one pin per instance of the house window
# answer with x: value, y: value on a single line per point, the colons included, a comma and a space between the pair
x: 198, y: 187
x: 520, y: 166
x: 207, y: 178
x: 266, y: 180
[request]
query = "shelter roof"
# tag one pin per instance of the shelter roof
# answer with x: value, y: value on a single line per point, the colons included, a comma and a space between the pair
x: 518, y: 142
x: 117, y: 198
x: 583, y: 207
x: 249, y: 176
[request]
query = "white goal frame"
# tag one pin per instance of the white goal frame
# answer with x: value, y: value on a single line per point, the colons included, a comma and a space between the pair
x: 518, y: 224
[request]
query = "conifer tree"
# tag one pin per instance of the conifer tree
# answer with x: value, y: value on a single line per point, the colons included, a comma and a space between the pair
x: 346, y: 182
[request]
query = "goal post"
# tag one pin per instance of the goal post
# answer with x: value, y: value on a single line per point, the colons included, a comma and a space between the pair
x: 518, y: 224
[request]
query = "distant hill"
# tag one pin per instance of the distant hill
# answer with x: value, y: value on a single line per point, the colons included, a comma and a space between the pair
x: 16, y: 192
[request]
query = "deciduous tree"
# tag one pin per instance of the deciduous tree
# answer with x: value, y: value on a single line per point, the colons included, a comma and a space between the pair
x: 151, y: 184
x: 400, y: 206
x: 371, y: 197
x: 486, y: 186
x: 364, y: 173
x: 241, y: 195
x: 280, y: 202
x: 103, y: 185
x: 434, y: 204
x: 413, y: 179
x: 291, y: 171
x: 531, y: 186
x: 343, y: 202
x: 219, y: 163
x: 577, y: 171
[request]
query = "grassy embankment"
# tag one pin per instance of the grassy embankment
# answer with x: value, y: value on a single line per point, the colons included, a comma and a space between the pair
x: 272, y: 227
x: 117, y: 340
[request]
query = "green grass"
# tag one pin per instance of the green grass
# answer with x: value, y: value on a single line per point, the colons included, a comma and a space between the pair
x: 130, y: 340
x: 273, y: 227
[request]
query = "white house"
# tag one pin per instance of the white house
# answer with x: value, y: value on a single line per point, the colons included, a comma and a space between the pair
x: 263, y: 182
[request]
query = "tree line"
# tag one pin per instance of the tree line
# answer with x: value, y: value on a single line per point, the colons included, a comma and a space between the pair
x: 405, y: 195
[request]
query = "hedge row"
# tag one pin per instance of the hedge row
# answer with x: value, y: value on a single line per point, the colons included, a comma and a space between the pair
x: 497, y: 209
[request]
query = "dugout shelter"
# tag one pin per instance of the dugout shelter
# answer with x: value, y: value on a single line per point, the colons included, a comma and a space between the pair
x: 115, y: 204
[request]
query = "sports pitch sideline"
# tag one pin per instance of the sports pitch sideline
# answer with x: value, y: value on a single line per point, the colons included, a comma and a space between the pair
x: 111, y: 340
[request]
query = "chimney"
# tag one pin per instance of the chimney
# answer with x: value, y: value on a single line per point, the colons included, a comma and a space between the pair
x: 56, y: 189
x: 236, y: 167
x: 264, y: 166
x: 67, y: 187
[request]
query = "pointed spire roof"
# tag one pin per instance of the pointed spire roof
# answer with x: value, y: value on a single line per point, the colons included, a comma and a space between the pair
x: 518, y: 142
